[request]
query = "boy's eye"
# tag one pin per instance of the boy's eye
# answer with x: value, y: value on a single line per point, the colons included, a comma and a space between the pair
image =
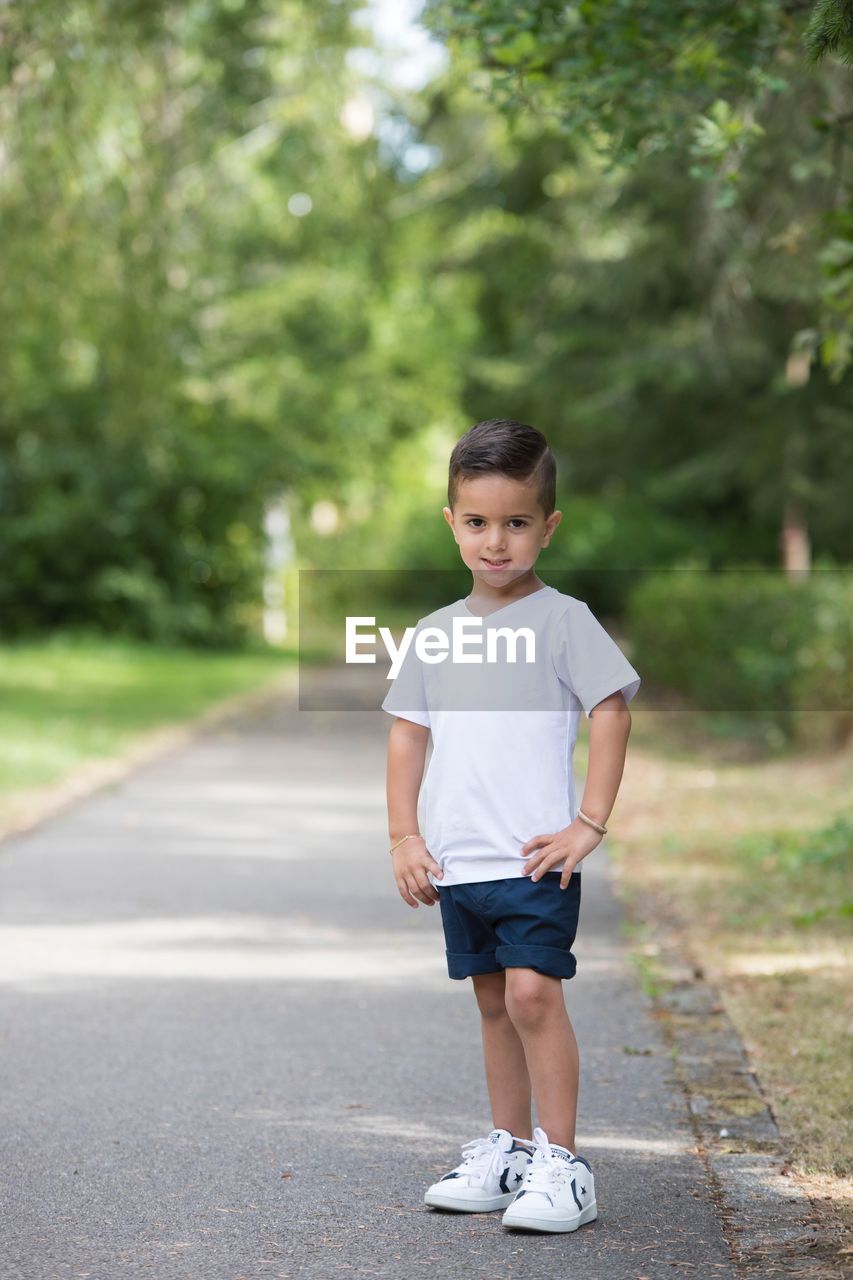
x: 478, y: 520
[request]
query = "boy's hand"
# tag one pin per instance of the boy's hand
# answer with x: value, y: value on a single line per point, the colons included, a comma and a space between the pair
x: 412, y: 860
x: 573, y: 843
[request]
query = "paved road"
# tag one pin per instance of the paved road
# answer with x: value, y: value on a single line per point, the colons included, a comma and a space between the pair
x: 228, y: 1049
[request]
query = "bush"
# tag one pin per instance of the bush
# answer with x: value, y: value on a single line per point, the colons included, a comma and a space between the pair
x: 753, y: 642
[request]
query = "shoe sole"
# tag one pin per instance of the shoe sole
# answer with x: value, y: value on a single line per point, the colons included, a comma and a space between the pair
x: 589, y: 1214
x: 457, y: 1205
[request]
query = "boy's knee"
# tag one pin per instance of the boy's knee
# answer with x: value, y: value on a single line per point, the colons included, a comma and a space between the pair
x: 531, y: 997
x: 489, y: 989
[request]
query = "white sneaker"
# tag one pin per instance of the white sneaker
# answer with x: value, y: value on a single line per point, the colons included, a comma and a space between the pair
x: 491, y: 1171
x: 558, y: 1191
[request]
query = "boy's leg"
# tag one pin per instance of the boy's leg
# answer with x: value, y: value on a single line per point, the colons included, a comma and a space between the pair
x: 507, y: 1076
x: 535, y: 1005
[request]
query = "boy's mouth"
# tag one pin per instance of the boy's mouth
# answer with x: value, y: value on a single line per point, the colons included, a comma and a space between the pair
x: 496, y: 564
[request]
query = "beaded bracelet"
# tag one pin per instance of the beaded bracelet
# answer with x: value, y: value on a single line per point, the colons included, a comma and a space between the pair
x: 597, y: 825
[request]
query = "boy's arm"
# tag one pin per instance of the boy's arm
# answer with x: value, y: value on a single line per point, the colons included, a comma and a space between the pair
x: 610, y: 725
x: 407, y: 744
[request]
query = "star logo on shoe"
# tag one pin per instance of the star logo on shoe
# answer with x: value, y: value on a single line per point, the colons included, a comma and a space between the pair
x: 518, y: 1178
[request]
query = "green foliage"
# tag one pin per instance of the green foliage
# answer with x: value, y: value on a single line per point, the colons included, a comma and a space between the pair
x: 823, y: 682
x: 720, y: 138
x: 703, y: 78
x: 816, y: 868
x: 751, y: 643
x: 214, y: 291
x: 617, y: 309
x: 614, y: 307
x: 639, y: 76
x: 830, y: 31
x: 793, y: 851
x: 836, y: 262
x: 207, y: 301
x: 74, y: 696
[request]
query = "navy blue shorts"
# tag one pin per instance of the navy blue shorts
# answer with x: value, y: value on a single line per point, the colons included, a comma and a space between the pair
x: 492, y: 925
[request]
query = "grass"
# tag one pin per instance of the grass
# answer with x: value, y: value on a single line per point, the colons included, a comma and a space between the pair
x: 750, y: 856
x: 72, y: 698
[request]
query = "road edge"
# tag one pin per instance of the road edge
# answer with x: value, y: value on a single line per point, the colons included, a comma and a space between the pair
x: 43, y: 803
x: 770, y: 1222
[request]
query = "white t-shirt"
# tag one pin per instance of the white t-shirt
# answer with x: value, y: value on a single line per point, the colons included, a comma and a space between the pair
x: 503, y: 733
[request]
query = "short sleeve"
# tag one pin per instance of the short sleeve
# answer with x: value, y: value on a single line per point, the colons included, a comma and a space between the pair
x: 407, y: 695
x: 588, y: 660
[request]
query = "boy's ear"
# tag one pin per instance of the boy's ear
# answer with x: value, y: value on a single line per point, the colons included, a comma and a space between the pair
x: 448, y: 515
x: 551, y: 523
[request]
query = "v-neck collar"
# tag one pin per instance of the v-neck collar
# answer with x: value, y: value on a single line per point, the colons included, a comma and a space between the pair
x: 503, y: 607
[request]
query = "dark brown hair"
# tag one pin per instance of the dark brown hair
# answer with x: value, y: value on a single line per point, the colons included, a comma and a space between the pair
x: 509, y: 448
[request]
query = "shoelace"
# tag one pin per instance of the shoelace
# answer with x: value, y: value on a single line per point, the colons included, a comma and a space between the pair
x: 482, y: 1158
x: 546, y: 1169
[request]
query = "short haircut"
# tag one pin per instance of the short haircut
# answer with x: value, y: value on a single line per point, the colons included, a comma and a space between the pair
x: 506, y: 447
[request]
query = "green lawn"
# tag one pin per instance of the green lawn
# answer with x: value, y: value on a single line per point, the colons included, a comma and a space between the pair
x: 71, y: 698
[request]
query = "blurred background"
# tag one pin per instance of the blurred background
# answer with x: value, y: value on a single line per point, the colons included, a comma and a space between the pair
x: 263, y: 262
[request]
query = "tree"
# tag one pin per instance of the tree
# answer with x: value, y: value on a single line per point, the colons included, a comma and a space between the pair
x: 203, y: 304
x: 725, y: 92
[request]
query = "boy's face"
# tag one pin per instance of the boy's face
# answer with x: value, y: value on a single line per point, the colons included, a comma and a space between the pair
x: 499, y: 526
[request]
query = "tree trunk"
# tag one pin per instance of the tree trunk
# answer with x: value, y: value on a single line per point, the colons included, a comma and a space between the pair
x: 794, y: 539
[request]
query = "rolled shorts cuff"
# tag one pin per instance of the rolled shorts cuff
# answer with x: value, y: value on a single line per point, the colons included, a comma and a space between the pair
x: 460, y: 965
x: 552, y: 961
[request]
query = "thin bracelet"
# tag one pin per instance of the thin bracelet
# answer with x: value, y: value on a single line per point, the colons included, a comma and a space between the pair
x: 597, y: 825
x: 417, y: 836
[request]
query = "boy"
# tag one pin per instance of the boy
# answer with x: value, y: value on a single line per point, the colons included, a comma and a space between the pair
x: 503, y: 836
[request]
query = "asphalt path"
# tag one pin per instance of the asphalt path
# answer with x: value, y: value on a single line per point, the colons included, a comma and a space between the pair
x: 229, y: 1050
